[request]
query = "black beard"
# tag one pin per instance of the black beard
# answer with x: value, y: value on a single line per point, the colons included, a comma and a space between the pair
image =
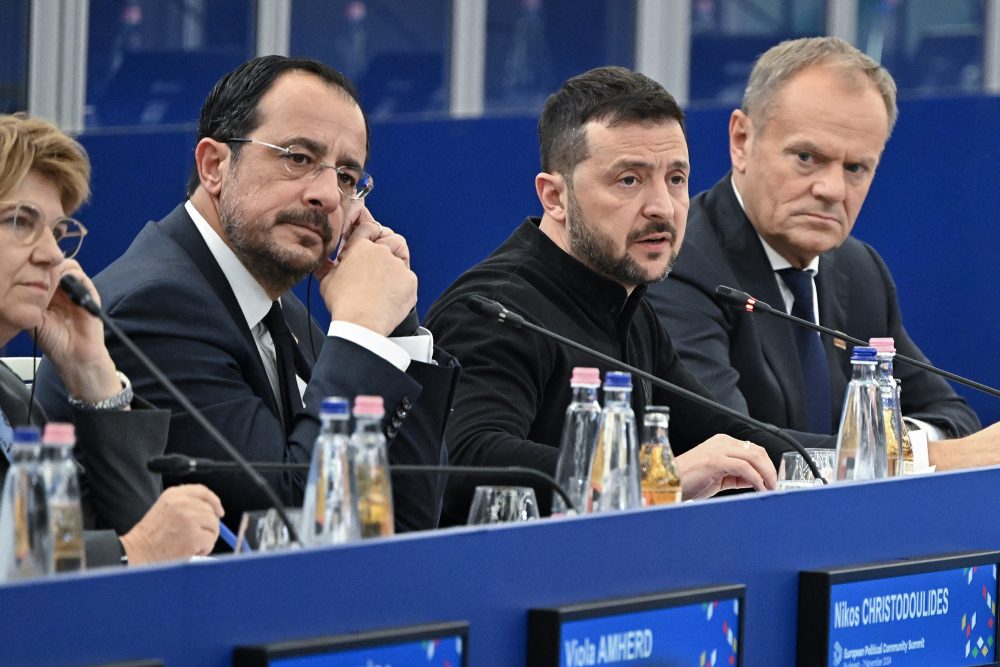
x: 594, y: 248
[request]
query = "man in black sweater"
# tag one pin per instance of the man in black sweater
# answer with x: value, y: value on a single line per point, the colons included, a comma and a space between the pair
x: 614, y: 191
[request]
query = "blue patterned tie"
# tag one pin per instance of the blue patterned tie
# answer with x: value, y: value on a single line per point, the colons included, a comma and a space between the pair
x: 812, y: 358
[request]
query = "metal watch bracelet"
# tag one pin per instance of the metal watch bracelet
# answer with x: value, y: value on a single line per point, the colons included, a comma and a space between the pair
x: 119, y: 401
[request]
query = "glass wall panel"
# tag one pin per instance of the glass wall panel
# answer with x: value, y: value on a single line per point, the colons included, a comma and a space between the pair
x: 930, y: 47
x: 397, y: 53
x: 727, y: 36
x: 13, y: 55
x: 152, y: 62
x: 532, y: 46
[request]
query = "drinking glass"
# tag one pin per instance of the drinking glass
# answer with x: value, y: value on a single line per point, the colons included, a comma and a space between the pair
x: 263, y: 530
x: 502, y: 504
x: 793, y: 473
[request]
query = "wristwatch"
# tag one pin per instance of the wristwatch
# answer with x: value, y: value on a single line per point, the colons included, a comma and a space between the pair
x: 119, y: 401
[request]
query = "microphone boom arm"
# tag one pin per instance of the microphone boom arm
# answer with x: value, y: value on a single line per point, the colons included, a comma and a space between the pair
x: 179, y: 464
x: 489, y: 308
x: 79, y: 295
x: 751, y: 304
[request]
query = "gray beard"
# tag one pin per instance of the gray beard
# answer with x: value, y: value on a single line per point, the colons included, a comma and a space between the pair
x: 276, y: 270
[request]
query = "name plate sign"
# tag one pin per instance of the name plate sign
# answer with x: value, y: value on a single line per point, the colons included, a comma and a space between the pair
x: 440, y: 645
x: 935, y: 611
x: 690, y: 627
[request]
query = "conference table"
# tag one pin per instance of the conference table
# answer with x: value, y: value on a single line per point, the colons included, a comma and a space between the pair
x: 491, y: 576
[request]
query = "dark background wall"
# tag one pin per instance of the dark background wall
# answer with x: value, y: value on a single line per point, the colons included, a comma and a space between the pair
x: 457, y: 188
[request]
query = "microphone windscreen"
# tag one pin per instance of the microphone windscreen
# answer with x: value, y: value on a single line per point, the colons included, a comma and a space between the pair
x: 169, y: 464
x: 747, y: 301
x: 729, y: 294
x: 78, y: 294
x: 481, y: 305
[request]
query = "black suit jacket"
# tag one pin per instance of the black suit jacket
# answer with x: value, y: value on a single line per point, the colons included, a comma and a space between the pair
x: 749, y: 361
x: 169, y: 294
x: 113, y: 447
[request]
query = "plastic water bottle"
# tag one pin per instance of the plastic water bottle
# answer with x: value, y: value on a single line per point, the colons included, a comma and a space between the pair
x: 25, y: 540
x: 330, y: 506
x: 63, y: 484
x: 861, y: 437
x: 579, y: 436
x: 614, y: 473
x: 897, y: 439
x: 370, y: 460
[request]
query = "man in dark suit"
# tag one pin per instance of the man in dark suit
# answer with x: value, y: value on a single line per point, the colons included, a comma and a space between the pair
x: 276, y: 190
x: 45, y: 175
x: 805, y: 146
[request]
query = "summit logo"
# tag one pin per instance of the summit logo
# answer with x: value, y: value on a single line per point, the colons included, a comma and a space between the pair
x: 838, y: 654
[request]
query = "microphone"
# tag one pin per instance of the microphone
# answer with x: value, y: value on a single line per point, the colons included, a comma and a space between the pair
x: 490, y: 308
x: 179, y: 464
x: 81, y: 296
x: 750, y: 304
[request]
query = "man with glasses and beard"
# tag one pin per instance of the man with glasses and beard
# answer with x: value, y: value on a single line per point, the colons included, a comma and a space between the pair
x: 276, y: 192
x: 614, y: 194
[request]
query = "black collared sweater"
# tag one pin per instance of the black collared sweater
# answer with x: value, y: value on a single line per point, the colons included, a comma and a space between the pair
x: 514, y: 388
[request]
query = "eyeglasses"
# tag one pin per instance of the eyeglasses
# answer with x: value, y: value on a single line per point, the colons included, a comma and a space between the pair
x: 27, y: 223
x: 300, y: 162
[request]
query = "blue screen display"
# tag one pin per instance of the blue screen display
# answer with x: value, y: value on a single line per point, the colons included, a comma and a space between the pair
x: 935, y: 618
x: 701, y: 634
x: 437, y: 652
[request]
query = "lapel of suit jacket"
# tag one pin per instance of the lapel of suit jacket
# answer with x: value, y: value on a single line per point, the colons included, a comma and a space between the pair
x: 752, y: 268
x: 832, y: 285
x: 180, y: 227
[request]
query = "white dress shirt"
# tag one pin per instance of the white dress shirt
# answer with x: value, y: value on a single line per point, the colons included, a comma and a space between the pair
x: 255, y: 304
x: 778, y: 263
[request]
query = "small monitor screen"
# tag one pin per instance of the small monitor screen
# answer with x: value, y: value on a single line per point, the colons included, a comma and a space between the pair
x: 937, y: 612
x: 696, y: 627
x: 442, y: 645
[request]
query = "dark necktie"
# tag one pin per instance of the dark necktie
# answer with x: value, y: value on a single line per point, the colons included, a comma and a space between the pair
x: 284, y: 352
x: 812, y: 358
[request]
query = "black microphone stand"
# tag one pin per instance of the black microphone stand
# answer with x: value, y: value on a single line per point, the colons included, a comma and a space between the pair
x: 179, y: 464
x: 79, y: 295
x: 753, y: 305
x: 489, y: 308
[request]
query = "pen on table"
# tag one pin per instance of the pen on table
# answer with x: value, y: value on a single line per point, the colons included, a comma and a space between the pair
x: 229, y: 538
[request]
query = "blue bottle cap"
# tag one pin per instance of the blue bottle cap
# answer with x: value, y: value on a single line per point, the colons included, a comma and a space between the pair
x: 864, y: 354
x: 27, y: 435
x: 336, y: 405
x: 616, y: 380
